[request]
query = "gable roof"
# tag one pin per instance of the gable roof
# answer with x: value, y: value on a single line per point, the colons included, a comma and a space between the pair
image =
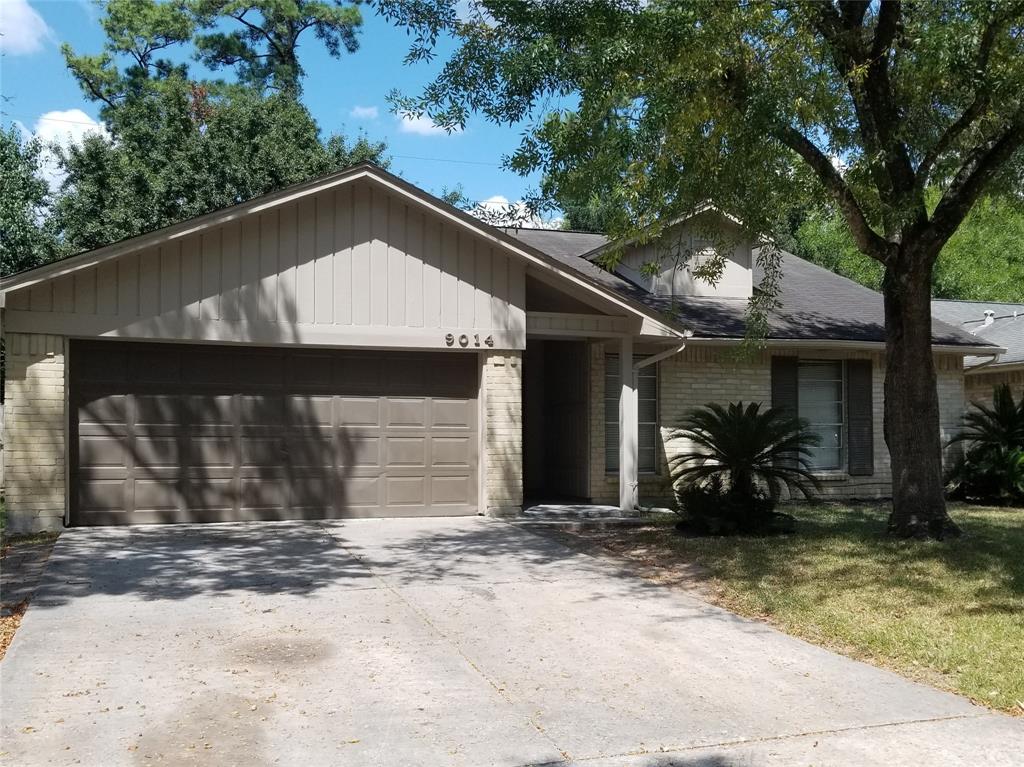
x: 366, y: 170
x: 1006, y: 328
x: 816, y: 304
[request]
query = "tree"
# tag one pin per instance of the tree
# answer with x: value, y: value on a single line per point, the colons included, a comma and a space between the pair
x: 25, y: 238
x: 179, y: 152
x: 983, y: 261
x: 660, y: 105
x: 177, y: 147
x: 264, y: 51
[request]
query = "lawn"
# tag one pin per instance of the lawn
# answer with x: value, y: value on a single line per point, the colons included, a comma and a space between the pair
x: 951, y: 614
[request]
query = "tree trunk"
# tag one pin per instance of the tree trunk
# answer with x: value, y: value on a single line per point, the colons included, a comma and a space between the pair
x: 912, y: 403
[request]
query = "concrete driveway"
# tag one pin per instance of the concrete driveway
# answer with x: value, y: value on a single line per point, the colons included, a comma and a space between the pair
x: 432, y: 642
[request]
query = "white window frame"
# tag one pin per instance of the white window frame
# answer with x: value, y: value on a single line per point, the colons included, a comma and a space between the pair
x: 611, y: 413
x: 841, y: 426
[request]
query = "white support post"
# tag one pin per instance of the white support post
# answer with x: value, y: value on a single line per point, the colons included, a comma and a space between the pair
x: 629, y: 443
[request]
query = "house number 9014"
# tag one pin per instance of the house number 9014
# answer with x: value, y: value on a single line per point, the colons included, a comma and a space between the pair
x: 464, y: 340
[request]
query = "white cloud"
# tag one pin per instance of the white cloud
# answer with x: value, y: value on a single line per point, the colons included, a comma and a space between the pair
x: 365, y: 113
x: 423, y: 126
x: 22, y: 29
x: 498, y: 211
x: 63, y: 127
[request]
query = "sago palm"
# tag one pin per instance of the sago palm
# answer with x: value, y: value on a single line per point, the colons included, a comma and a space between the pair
x: 992, y: 467
x: 744, y: 450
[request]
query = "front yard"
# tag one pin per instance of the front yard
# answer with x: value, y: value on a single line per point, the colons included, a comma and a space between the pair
x: 951, y: 614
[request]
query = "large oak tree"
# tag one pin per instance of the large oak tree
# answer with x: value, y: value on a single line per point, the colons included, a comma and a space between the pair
x: 656, y: 106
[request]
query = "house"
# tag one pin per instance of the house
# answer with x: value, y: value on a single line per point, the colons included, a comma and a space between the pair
x: 352, y: 346
x: 1001, y: 324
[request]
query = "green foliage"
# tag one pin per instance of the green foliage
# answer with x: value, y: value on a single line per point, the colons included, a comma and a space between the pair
x: 178, y: 152
x: 263, y: 48
x: 992, y: 468
x: 743, y: 460
x: 179, y: 148
x: 25, y: 238
x: 983, y: 261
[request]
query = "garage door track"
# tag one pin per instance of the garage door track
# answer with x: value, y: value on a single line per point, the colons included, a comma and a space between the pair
x: 432, y: 642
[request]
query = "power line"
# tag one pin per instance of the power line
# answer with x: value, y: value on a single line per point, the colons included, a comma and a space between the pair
x: 398, y: 156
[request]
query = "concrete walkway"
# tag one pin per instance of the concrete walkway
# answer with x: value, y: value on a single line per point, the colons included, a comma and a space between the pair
x: 432, y: 642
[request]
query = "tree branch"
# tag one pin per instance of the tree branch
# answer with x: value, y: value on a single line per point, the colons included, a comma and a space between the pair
x: 868, y: 241
x: 981, y: 165
x: 973, y: 111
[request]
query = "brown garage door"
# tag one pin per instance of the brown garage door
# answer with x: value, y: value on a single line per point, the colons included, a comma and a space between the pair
x: 173, y: 433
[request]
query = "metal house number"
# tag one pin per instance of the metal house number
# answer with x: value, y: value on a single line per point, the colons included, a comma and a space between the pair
x: 464, y: 340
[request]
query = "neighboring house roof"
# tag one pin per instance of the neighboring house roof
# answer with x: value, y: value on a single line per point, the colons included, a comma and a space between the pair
x: 1006, y: 328
x: 816, y: 304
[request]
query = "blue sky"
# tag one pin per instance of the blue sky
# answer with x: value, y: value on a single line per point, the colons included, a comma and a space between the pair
x: 346, y: 95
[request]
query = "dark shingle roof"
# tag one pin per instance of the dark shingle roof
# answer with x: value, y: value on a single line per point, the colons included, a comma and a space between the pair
x: 816, y: 304
x: 558, y: 242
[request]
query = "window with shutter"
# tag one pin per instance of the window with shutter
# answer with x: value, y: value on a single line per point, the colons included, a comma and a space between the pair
x: 820, y: 403
x: 647, y: 408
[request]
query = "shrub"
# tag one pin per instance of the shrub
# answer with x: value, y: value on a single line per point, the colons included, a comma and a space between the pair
x: 744, y: 459
x: 992, y: 468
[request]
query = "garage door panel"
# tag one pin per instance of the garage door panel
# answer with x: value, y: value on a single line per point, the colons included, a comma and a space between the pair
x: 175, y: 433
x: 406, y: 412
x: 453, y: 414
x: 209, y: 410
x: 211, y: 451
x: 405, y: 452
x: 406, y: 491
x: 155, y: 495
x: 102, y: 495
x: 451, y: 452
x: 362, y: 492
x: 451, y: 490
x: 102, y: 451
x: 156, y: 451
x: 108, y: 409
x: 359, y: 411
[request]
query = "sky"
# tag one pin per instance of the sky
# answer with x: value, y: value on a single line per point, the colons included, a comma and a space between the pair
x: 345, y: 95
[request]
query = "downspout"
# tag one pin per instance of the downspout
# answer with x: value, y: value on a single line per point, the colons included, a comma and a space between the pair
x: 647, y: 361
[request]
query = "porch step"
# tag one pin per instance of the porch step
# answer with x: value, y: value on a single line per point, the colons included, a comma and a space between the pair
x: 578, y: 516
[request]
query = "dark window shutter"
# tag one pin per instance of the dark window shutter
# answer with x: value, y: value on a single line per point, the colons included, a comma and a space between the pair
x: 785, y: 386
x: 786, y: 389
x: 860, y: 421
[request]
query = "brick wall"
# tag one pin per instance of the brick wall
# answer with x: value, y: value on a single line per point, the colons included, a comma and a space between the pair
x: 503, y: 435
x: 704, y: 374
x: 978, y: 387
x: 34, y: 425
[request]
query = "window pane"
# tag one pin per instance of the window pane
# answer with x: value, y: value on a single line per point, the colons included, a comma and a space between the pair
x: 648, y: 409
x: 821, y: 404
x: 647, y: 412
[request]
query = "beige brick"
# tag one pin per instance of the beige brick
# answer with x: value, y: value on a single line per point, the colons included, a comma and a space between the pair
x: 503, y: 437
x: 34, y: 424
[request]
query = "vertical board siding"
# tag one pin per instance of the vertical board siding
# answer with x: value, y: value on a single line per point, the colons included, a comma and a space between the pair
x: 210, y: 254
x: 305, y: 246
x: 267, y: 308
x: 323, y: 268
x: 343, y: 233
x: 356, y: 256
x: 191, y: 277
x: 359, y: 288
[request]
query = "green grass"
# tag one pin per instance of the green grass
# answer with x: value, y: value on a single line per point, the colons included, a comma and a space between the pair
x: 949, y: 613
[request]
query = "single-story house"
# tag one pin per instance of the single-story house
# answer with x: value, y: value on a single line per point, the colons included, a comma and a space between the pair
x: 353, y: 346
x: 1001, y: 324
